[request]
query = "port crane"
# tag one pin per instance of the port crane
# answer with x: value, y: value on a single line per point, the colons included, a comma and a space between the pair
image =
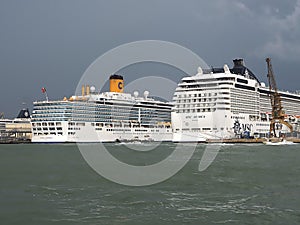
x: 277, y: 111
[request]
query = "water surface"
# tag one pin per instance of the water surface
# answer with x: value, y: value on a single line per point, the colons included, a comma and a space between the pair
x: 246, y: 184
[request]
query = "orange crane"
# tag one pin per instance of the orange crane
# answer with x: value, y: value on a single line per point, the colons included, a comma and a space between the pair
x: 277, y: 111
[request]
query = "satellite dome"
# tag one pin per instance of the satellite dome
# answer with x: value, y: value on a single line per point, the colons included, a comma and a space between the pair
x: 146, y: 94
x: 93, y: 88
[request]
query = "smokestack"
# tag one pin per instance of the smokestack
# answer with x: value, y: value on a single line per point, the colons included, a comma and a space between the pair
x: 116, y: 83
x: 238, y: 62
x: 82, y: 90
x: 87, y: 89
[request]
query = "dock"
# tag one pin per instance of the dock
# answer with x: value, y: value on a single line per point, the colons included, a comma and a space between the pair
x: 236, y: 140
x: 246, y: 140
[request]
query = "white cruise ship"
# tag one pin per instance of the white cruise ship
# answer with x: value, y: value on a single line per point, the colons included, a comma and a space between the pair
x: 102, y: 117
x: 222, y: 103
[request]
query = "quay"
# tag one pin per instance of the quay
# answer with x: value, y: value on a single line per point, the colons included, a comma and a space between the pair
x: 245, y: 141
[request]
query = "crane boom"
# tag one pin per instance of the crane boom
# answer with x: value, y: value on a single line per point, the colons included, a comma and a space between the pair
x: 277, y: 111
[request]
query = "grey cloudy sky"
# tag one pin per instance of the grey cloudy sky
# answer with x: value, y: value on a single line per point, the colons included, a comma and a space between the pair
x: 51, y: 43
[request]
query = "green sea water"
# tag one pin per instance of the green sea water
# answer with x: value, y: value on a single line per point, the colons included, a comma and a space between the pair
x: 246, y: 184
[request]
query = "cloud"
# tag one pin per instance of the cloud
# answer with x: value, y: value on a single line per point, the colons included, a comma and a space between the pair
x: 266, y: 28
x: 281, y: 48
x: 283, y: 33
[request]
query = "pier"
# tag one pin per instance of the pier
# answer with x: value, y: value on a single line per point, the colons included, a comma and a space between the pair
x: 245, y: 141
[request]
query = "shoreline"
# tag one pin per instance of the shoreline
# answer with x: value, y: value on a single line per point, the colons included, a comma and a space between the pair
x: 209, y: 141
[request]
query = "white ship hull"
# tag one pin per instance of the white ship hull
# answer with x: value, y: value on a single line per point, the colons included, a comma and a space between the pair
x: 105, y: 138
x: 217, y: 126
x: 89, y: 133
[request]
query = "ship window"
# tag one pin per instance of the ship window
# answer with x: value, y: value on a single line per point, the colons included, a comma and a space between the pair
x: 244, y: 87
x: 242, y: 81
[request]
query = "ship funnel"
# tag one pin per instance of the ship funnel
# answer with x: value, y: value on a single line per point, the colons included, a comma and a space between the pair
x: 116, y: 83
x: 88, y: 90
x: 24, y: 114
x: 238, y: 62
x: 82, y: 90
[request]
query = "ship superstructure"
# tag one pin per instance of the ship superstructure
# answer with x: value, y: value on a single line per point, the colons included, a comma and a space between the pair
x: 17, y: 129
x: 221, y: 103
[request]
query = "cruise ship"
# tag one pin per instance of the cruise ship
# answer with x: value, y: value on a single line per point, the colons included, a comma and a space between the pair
x: 223, y: 103
x: 17, y: 129
x: 102, y: 117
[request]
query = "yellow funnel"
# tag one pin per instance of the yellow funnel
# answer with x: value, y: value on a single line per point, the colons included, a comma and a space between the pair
x: 116, y: 83
x: 82, y: 91
x: 87, y: 89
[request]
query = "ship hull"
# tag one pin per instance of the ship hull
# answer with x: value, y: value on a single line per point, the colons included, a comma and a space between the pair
x: 90, y: 134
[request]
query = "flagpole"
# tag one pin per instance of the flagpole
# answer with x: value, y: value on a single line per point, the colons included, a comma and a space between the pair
x: 45, y: 92
x: 46, y: 96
